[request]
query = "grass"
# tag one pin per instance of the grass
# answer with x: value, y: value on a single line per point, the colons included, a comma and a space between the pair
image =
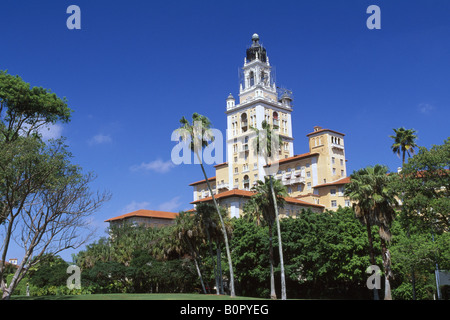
x: 136, y: 296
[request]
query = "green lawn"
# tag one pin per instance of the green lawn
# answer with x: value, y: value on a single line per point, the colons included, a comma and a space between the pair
x: 137, y: 296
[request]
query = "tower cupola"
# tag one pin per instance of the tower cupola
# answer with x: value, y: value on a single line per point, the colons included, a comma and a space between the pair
x: 256, y: 51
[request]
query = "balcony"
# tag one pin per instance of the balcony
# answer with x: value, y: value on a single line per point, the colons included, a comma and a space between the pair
x: 291, y: 181
x: 244, y: 148
x: 337, y: 146
x: 222, y: 185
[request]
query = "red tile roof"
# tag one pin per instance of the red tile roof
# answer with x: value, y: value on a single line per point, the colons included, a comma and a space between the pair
x: 146, y: 214
x: 226, y: 194
x: 221, y: 164
x: 297, y: 157
x: 334, y: 183
x: 202, y: 181
x: 248, y: 194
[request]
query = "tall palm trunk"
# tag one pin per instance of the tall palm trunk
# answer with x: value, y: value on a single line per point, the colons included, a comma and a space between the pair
x: 212, y: 259
x: 372, y: 255
x: 197, y: 267
x: 280, y: 248
x: 408, y: 235
x: 273, y: 294
x: 224, y: 231
x: 387, y: 270
x: 219, y: 267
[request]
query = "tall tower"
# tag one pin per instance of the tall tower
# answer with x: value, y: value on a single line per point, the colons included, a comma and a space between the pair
x: 259, y: 100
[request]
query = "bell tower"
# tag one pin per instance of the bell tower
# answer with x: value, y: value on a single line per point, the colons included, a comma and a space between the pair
x: 259, y: 100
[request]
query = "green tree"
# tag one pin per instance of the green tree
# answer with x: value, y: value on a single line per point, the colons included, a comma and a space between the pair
x: 267, y: 143
x: 25, y: 109
x: 198, y: 135
x: 404, y: 142
x: 264, y: 202
x: 190, y: 235
x: 374, y: 205
x: 48, y: 201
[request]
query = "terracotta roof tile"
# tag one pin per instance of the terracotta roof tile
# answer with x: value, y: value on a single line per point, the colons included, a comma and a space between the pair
x: 248, y: 194
x: 297, y: 157
x: 334, y: 183
x: 202, y: 181
x: 146, y: 214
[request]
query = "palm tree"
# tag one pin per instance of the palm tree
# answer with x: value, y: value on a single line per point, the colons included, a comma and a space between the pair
x: 188, y: 233
x: 196, y: 132
x: 265, y: 140
x: 209, y: 225
x: 404, y: 142
x: 263, y: 203
x: 374, y: 203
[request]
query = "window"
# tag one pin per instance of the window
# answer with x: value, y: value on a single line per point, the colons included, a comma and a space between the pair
x: 308, y: 174
x: 342, y: 173
x: 347, y: 203
x: 333, y: 192
x: 332, y: 160
x: 308, y: 186
x: 307, y: 165
x: 333, y: 203
x: 334, y: 171
x: 236, y: 170
x: 341, y: 191
x: 342, y: 162
x: 299, y: 188
x: 289, y: 190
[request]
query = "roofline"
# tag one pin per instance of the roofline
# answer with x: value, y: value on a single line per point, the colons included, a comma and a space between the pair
x: 202, y: 181
x: 248, y: 194
x: 141, y: 213
x: 334, y: 183
x: 324, y: 130
x: 297, y: 157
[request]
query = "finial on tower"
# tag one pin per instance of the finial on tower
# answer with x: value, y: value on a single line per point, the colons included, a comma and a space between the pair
x: 255, y: 39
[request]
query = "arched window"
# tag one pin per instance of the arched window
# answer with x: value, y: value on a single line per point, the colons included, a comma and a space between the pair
x: 244, y: 124
x: 252, y: 78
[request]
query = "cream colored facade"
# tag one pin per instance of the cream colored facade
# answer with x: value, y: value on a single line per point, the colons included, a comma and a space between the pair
x: 308, y: 177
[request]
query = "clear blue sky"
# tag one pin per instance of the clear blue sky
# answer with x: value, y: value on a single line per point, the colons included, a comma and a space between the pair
x: 136, y: 67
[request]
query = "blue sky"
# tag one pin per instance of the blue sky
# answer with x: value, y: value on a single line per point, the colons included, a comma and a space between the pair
x: 136, y: 67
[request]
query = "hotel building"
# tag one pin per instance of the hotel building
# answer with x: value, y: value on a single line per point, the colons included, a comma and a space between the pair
x: 314, y: 179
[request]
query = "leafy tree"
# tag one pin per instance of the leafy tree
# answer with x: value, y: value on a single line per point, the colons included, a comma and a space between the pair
x: 374, y: 205
x: 25, y: 109
x: 404, y: 143
x: 50, y: 271
x: 198, y: 135
x: 189, y: 233
x: 250, y: 256
x: 48, y: 201
x: 326, y: 254
x: 425, y: 186
x: 263, y: 203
